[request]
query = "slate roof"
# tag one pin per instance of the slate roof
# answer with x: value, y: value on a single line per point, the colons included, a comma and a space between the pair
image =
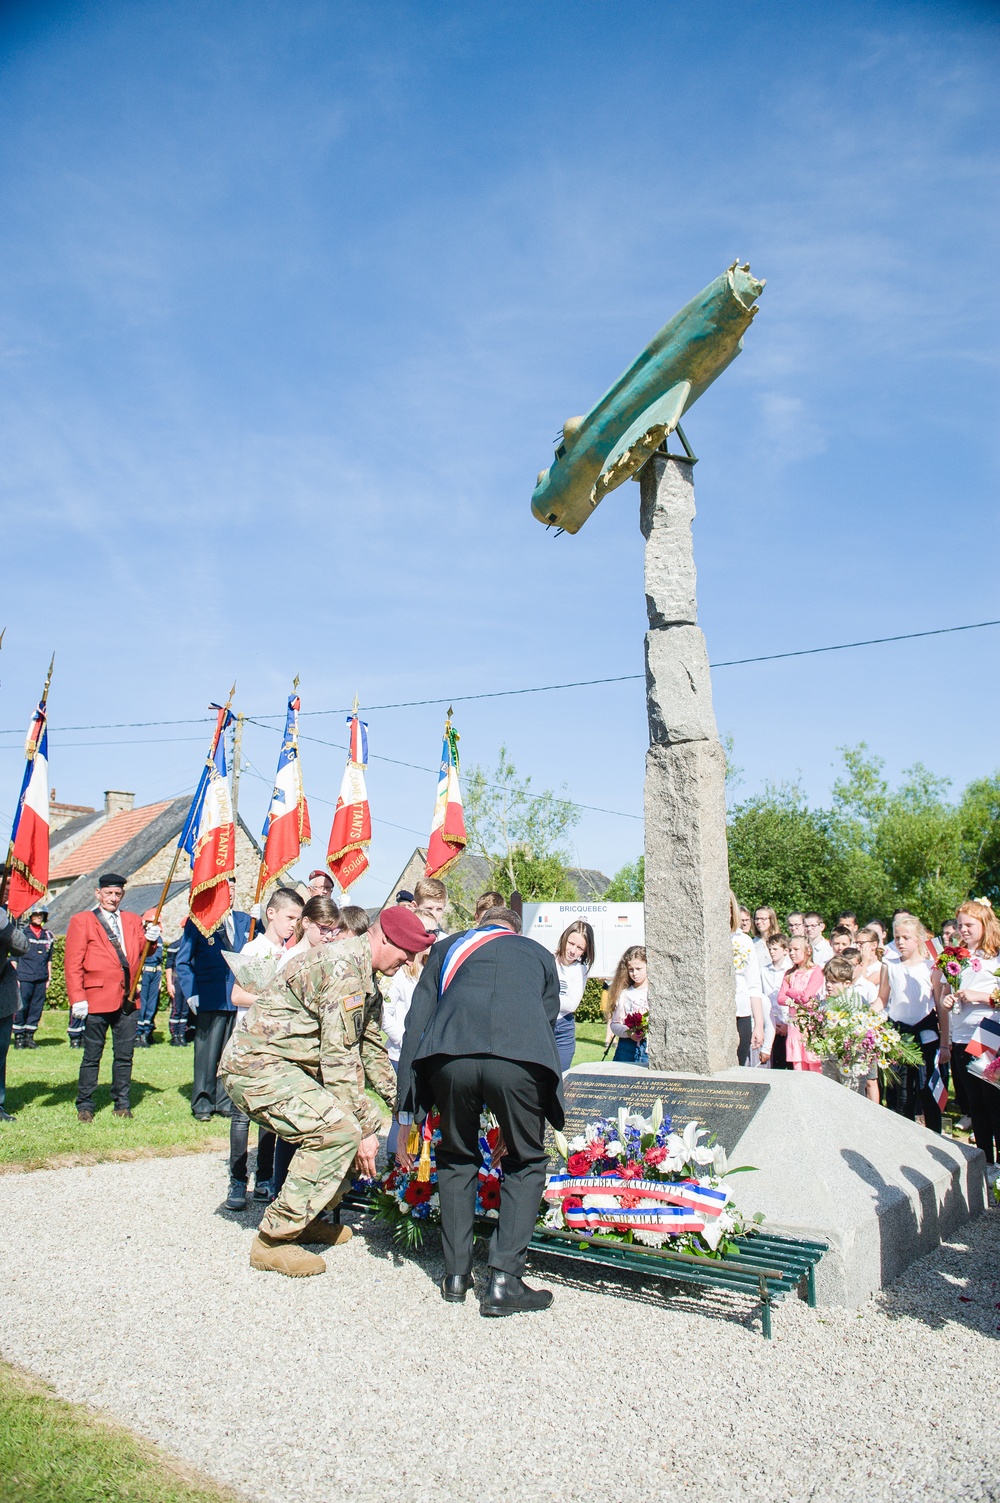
x: 471, y: 873
x: 98, y: 849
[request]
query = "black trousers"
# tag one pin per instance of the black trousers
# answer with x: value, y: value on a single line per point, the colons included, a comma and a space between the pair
x: 744, y: 1034
x: 122, y: 1025
x: 239, y: 1140
x: 211, y: 1035
x: 517, y: 1094
x: 910, y: 1092
x: 983, y: 1104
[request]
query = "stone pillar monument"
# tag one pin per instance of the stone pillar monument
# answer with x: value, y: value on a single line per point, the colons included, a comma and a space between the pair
x: 692, y: 1021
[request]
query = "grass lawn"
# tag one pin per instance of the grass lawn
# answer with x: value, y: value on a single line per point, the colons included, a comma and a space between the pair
x: 54, y: 1452
x: 41, y: 1092
x: 589, y: 1043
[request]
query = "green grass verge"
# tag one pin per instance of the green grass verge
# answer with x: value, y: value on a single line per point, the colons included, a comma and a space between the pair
x: 589, y: 1043
x: 41, y: 1092
x: 54, y: 1452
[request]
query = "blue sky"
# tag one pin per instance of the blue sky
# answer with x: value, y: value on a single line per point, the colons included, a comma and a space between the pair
x: 296, y: 297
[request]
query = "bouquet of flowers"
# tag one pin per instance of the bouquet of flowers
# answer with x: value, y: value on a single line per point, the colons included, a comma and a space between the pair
x: 846, y: 1029
x: 633, y: 1179
x: 408, y: 1204
x: 255, y: 973
x: 951, y: 962
x: 637, y: 1023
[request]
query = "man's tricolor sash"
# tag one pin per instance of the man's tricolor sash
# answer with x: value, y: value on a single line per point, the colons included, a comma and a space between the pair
x: 686, y: 1193
x: 467, y: 945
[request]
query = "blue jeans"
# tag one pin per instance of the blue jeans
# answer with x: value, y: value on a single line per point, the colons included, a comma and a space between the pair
x: 565, y: 1029
x: 629, y: 1052
x: 149, y: 999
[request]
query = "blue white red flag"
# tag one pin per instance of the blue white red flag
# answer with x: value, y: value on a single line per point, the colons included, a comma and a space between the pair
x: 463, y: 948
x: 351, y: 832
x: 685, y: 1193
x: 209, y: 836
x: 286, y: 824
x: 29, y: 863
x: 447, y: 838
x: 986, y: 1038
x: 936, y: 1085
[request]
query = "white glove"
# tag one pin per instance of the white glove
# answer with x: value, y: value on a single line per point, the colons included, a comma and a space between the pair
x: 255, y: 912
x: 153, y: 933
x: 193, y: 1004
x: 79, y: 1009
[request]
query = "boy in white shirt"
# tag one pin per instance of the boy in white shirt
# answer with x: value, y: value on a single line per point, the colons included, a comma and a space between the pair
x: 770, y: 978
x: 280, y: 917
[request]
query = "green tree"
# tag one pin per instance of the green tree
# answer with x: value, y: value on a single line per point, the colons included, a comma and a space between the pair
x: 628, y: 885
x: 979, y: 817
x: 520, y: 834
x: 780, y: 852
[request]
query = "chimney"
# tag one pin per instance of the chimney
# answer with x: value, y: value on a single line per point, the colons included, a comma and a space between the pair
x: 116, y: 802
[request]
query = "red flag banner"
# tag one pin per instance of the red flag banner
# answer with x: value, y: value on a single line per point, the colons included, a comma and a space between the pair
x: 29, y: 845
x: 351, y: 833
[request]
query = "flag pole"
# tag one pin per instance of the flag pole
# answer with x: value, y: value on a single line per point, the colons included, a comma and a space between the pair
x: 261, y: 879
x: 7, y: 871
x: 147, y: 946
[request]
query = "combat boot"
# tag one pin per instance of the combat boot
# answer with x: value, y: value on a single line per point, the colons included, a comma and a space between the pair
x: 325, y: 1232
x: 271, y: 1255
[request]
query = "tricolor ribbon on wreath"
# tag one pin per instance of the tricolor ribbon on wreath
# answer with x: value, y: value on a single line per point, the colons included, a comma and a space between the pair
x: 685, y: 1193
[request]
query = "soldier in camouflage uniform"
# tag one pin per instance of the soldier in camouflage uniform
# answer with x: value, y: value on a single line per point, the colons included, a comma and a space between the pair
x: 298, y: 1067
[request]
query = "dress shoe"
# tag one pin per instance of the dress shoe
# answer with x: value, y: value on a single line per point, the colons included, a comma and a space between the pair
x: 326, y: 1232
x: 236, y: 1200
x: 85, y: 1116
x: 123, y: 1111
x: 455, y: 1286
x: 271, y: 1255
x: 509, y: 1295
x: 6, y: 1116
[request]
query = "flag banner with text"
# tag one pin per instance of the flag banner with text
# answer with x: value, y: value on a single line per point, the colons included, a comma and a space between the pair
x: 29, y: 863
x: 286, y: 825
x: 447, y: 840
x: 209, y: 836
x: 351, y: 833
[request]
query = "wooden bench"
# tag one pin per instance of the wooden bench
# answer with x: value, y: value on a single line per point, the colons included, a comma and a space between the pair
x: 767, y: 1267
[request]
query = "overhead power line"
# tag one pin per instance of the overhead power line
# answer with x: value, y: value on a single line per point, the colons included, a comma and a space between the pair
x: 583, y: 683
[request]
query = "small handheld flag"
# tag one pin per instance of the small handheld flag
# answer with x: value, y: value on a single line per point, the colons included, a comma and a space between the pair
x: 286, y: 824
x: 936, y: 1085
x: 447, y: 839
x: 351, y: 832
x: 27, y: 875
x: 209, y: 835
x: 985, y: 1039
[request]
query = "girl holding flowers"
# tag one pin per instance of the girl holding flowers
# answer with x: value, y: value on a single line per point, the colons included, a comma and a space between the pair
x: 802, y: 983
x: 964, y: 1000
x: 906, y: 992
x: 627, y: 999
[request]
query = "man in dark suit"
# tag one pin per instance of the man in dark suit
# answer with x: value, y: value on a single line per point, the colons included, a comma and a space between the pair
x: 480, y: 1030
x: 102, y: 953
x: 206, y: 983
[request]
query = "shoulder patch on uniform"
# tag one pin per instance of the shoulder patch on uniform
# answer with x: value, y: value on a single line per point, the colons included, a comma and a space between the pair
x: 351, y: 1004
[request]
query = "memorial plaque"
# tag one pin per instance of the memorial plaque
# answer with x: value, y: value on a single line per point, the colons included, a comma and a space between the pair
x: 724, y: 1108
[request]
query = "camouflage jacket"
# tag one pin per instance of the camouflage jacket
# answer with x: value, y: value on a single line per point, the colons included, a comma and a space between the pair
x: 323, y: 1015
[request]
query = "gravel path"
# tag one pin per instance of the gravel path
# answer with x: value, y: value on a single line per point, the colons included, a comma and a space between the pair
x: 126, y: 1286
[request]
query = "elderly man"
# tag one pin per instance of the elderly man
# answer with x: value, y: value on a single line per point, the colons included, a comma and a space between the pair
x: 480, y: 1030
x: 320, y: 884
x: 206, y: 983
x: 298, y: 1067
x: 103, y: 947
x: 12, y: 942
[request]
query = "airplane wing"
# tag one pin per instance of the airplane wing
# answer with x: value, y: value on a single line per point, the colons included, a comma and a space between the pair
x: 638, y: 443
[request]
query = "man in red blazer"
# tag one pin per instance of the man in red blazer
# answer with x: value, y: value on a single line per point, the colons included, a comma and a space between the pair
x: 103, y: 947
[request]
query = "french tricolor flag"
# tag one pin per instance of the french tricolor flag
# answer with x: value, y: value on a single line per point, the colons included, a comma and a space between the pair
x: 447, y: 839
x: 209, y: 837
x: 986, y: 1039
x: 29, y: 863
x: 286, y: 825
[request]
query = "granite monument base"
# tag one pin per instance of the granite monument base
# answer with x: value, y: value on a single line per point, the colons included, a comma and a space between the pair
x: 833, y: 1166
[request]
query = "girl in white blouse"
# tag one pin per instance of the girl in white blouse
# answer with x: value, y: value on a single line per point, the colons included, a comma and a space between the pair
x: 963, y: 1011
x: 906, y: 992
x: 628, y: 993
x: 749, y: 992
x: 574, y: 958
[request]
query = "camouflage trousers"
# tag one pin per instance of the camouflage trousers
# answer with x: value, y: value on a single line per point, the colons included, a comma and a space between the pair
x: 303, y: 1111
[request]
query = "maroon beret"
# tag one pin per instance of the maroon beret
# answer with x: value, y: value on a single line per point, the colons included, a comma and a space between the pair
x: 403, y: 929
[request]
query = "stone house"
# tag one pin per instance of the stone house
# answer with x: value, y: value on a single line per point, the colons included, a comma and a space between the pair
x: 470, y: 876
